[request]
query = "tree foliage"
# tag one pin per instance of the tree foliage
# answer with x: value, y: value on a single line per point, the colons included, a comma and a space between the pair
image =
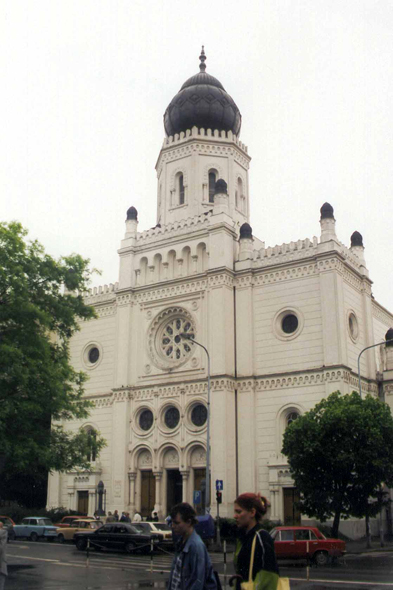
x: 40, y: 308
x: 339, y: 454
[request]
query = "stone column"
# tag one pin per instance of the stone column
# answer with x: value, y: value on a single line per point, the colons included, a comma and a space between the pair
x: 194, y: 264
x: 158, y: 475
x: 185, y: 475
x: 165, y: 270
x: 70, y: 500
x: 151, y: 274
x: 180, y: 267
x: 91, y: 508
x: 131, y: 496
x: 137, y: 277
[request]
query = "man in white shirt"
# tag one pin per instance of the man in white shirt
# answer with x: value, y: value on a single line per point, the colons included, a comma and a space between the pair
x: 137, y: 517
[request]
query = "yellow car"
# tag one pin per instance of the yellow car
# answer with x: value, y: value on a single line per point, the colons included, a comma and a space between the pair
x: 78, y: 526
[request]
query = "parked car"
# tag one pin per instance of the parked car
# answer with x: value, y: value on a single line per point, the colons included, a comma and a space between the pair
x: 152, y: 528
x: 68, y: 520
x: 77, y: 526
x: 116, y: 535
x: 9, y: 526
x: 298, y: 542
x: 35, y: 527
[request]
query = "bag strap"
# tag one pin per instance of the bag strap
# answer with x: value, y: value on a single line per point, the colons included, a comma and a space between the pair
x: 254, y: 542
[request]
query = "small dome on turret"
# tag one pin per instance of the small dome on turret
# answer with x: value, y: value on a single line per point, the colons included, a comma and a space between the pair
x: 327, y: 211
x: 220, y: 187
x: 132, y: 213
x: 356, y: 239
x: 202, y: 102
x: 389, y: 336
x: 246, y: 231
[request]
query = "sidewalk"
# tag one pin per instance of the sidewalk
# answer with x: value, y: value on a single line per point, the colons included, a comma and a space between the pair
x: 360, y: 546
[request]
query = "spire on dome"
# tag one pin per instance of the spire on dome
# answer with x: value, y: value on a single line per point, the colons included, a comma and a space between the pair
x: 202, y: 57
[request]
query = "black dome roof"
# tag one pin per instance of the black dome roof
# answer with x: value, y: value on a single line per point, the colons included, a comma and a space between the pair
x: 202, y: 102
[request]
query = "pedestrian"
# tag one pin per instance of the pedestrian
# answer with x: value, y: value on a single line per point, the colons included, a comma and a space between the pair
x: 137, y: 517
x: 123, y: 517
x: 110, y: 517
x: 253, y: 541
x: 191, y: 566
x: 127, y: 518
x: 155, y: 517
x: 116, y: 515
x: 3, y: 560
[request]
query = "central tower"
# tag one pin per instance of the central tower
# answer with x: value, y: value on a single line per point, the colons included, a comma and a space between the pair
x: 202, y: 125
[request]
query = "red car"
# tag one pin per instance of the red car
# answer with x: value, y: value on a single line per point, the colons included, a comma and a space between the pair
x: 300, y: 542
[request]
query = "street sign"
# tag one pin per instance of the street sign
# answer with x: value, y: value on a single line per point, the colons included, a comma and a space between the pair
x: 197, y: 497
x: 219, y: 485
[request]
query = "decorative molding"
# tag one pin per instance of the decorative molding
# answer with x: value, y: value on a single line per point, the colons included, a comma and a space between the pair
x: 189, y: 286
x: 177, y: 228
x: 282, y: 275
x: 382, y: 314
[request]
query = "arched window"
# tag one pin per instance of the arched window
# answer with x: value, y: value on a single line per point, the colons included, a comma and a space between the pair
x: 212, y: 185
x: 181, y: 190
x: 92, y: 435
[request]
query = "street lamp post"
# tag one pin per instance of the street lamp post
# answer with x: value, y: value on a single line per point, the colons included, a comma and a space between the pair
x: 360, y: 354
x: 207, y: 497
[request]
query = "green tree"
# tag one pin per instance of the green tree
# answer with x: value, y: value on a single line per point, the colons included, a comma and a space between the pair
x: 40, y: 308
x: 339, y: 453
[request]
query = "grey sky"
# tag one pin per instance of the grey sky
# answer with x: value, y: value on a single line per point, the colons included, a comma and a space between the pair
x: 85, y: 85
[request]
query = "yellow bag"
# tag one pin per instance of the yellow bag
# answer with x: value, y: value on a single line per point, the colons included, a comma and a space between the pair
x: 282, y: 583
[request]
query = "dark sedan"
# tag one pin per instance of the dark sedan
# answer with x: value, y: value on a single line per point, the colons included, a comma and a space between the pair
x: 116, y: 535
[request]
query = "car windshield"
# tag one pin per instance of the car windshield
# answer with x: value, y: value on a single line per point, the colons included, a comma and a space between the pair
x: 161, y: 526
x: 45, y: 522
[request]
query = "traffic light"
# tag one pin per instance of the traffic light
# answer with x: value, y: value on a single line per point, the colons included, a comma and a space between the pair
x: 219, y: 497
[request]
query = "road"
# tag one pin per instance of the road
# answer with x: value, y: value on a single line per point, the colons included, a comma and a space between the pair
x: 46, y: 566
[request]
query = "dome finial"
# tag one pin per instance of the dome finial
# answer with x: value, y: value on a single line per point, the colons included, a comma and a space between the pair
x: 202, y: 57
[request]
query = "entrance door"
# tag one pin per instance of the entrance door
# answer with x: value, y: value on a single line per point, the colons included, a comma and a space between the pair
x: 148, y: 493
x: 83, y: 503
x: 174, y: 488
x: 200, y: 485
x: 291, y: 513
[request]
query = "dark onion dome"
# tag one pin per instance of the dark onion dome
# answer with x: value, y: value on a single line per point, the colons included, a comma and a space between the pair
x: 132, y: 213
x: 389, y: 336
x: 220, y: 187
x: 202, y: 102
x: 327, y: 211
x: 356, y: 239
x: 246, y: 231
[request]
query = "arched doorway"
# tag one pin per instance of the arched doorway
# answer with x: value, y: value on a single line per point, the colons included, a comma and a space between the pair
x: 147, y: 483
x: 174, y: 480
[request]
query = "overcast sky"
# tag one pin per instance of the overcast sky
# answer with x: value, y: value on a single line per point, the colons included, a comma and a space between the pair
x: 85, y: 84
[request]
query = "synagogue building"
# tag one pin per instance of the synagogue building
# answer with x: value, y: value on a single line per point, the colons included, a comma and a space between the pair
x: 283, y: 326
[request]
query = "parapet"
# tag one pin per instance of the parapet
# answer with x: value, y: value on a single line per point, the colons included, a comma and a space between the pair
x: 226, y: 136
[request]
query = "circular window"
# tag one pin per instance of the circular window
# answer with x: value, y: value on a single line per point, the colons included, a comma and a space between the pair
x: 146, y: 419
x: 172, y: 417
x: 290, y: 323
x: 353, y: 326
x: 173, y: 345
x: 199, y: 415
x: 94, y: 355
x: 170, y: 338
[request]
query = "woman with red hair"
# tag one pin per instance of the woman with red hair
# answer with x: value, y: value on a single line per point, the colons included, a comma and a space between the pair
x: 249, y: 510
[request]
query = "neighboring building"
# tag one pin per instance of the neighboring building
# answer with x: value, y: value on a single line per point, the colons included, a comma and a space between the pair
x: 284, y: 326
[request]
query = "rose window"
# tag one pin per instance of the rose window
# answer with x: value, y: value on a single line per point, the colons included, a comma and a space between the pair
x: 173, y: 346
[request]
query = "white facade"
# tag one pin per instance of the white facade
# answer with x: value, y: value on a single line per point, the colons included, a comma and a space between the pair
x: 283, y: 325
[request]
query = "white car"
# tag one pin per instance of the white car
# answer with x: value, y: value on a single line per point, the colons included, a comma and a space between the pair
x: 147, y: 527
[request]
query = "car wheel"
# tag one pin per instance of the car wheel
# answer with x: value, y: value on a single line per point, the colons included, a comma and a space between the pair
x: 60, y: 538
x: 81, y: 544
x: 130, y: 547
x: 33, y: 537
x: 321, y: 558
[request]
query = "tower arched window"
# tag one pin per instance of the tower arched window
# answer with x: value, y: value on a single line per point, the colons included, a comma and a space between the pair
x: 92, y: 436
x: 212, y: 185
x: 181, y: 190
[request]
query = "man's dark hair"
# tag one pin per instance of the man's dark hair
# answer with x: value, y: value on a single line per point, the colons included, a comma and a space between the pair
x: 186, y: 512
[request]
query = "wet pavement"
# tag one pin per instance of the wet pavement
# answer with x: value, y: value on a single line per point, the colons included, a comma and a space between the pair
x: 46, y: 566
